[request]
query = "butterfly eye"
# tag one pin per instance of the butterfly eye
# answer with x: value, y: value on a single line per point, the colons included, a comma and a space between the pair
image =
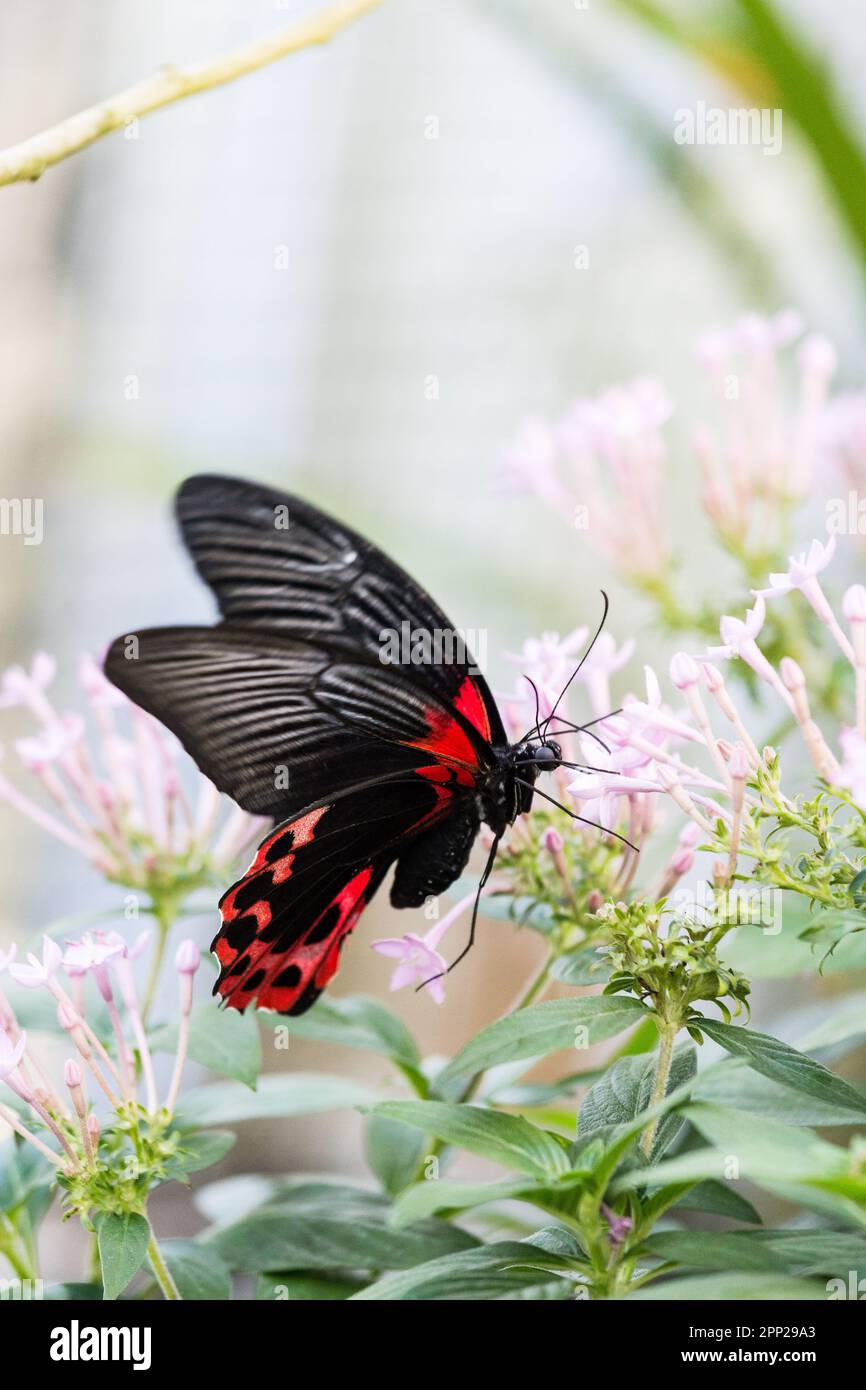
x: 548, y: 756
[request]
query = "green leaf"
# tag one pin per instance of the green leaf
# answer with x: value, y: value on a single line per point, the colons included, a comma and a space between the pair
x: 355, y: 1021
x: 222, y: 1040
x: 763, y: 1150
x: 795, y: 1252
x: 25, y: 1177
x: 780, y: 1062
x: 713, y: 1288
x: 736, y: 1085
x: 625, y: 1091
x: 73, y: 1293
x: 644, y: 1039
x: 300, y: 1093
x: 199, y: 1151
x: 534, y: 1095
x: 505, y: 1139
x: 543, y: 1028
x: 488, y: 1272
x: 761, y: 955
x: 123, y: 1241
x: 441, y: 1194
x: 197, y: 1270
x: 326, y: 1227
x: 228, y: 1199
x: 581, y: 967
x: 291, y: 1287
x: 393, y: 1152
x: 719, y: 1200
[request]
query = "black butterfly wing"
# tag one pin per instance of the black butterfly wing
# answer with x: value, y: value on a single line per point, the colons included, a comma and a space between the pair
x: 284, y: 923
x: 274, y: 561
x: 379, y: 758
x: 291, y: 682
x: 281, y: 724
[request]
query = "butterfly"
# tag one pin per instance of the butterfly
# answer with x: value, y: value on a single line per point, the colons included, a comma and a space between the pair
x: 289, y: 706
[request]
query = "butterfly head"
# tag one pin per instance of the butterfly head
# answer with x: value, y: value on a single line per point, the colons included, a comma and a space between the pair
x: 538, y: 757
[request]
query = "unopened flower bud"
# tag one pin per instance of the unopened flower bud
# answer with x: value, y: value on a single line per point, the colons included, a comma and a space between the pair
x: 854, y: 604
x: 792, y: 674
x: 551, y: 839
x: 682, y: 860
x: 188, y: 958
x: 72, y: 1073
x: 684, y: 671
x: 713, y: 678
x: 739, y: 763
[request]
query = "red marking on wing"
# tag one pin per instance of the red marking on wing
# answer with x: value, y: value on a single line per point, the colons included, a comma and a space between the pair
x: 449, y: 742
x: 316, y: 963
x: 471, y: 705
x: 285, y: 921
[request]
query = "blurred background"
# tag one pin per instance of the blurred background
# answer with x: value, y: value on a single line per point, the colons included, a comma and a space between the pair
x: 353, y: 274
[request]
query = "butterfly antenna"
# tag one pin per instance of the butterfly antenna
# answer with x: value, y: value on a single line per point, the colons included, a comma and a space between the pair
x: 536, y: 727
x: 488, y: 869
x: 574, y: 816
x: 598, y: 631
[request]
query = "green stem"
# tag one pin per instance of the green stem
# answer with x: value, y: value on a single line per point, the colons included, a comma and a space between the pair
x: 667, y: 1037
x: 12, y: 1247
x: 162, y: 1271
x: 164, y: 915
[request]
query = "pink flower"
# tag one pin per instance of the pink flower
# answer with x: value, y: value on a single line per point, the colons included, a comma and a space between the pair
x: 802, y: 574
x: 7, y: 957
x: 738, y: 634
x: 10, y: 1053
x: 801, y: 570
x: 547, y: 661
x: 51, y: 744
x: 601, y: 663
x: 418, y: 959
x: 38, y: 972
x: 90, y: 953
x: 20, y: 687
x: 121, y: 948
x: 529, y: 463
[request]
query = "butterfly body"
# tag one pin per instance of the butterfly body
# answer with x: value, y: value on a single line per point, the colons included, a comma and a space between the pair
x: 289, y: 706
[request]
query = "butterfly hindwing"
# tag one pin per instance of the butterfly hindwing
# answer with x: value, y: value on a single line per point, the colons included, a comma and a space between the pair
x: 285, y: 921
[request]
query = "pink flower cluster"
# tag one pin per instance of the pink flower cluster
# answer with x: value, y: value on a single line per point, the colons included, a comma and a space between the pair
x: 651, y: 744
x: 603, y: 463
x: 108, y: 960
x: 117, y: 797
